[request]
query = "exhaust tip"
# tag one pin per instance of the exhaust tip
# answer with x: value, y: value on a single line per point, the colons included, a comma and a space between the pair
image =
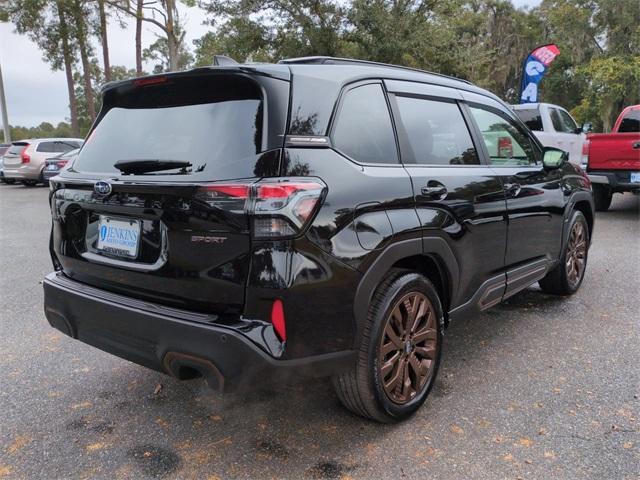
x: 186, y: 367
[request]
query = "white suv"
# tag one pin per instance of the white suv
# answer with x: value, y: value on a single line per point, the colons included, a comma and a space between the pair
x: 554, y: 127
x: 24, y: 161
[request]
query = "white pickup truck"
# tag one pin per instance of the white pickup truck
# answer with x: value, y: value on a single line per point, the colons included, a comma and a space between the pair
x: 554, y: 127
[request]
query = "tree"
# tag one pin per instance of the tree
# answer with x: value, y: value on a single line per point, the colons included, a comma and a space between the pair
x: 84, y: 47
x: 169, y: 22
x: 47, y: 24
x: 159, y: 52
x: 104, y: 40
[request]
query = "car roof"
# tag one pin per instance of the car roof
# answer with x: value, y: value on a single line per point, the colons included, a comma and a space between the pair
x: 56, y: 139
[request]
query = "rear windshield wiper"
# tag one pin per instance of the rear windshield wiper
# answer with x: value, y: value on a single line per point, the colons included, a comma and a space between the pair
x: 137, y: 167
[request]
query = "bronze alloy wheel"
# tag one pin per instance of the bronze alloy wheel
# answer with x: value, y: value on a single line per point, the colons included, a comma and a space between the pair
x: 576, y: 254
x: 408, y: 348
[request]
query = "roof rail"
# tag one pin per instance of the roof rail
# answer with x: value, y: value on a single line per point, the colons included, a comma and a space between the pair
x: 325, y: 60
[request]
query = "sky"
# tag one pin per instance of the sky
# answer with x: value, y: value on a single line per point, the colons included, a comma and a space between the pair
x: 36, y: 94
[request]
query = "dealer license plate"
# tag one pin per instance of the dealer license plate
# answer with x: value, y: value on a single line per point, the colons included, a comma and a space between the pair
x: 118, y: 237
x: 635, y: 177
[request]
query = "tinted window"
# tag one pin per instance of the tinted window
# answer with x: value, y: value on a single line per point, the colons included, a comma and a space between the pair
x: 555, y: 119
x: 58, y: 146
x: 214, y: 124
x: 531, y: 118
x: 505, y: 142
x: 630, y: 122
x: 437, y: 132
x: 363, y: 128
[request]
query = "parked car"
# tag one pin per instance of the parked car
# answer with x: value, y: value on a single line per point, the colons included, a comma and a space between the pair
x: 24, y: 160
x: 554, y: 127
x: 54, y: 165
x: 3, y: 148
x: 316, y: 217
x: 613, y: 159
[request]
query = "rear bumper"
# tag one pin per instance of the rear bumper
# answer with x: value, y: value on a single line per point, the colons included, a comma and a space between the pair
x: 22, y: 172
x: 173, y: 341
x: 618, y: 180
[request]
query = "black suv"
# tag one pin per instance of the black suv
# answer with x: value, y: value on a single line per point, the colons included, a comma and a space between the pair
x: 316, y: 217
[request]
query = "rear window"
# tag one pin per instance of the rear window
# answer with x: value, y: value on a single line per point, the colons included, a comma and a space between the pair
x: 531, y: 118
x: 58, y: 146
x: 16, y: 148
x: 630, y: 123
x: 213, y: 123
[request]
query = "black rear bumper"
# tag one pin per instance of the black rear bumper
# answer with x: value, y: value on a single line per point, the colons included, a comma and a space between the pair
x: 617, y: 180
x: 173, y: 341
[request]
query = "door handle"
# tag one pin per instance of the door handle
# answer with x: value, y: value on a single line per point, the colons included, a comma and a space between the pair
x: 512, y: 189
x: 636, y: 145
x: 434, y: 191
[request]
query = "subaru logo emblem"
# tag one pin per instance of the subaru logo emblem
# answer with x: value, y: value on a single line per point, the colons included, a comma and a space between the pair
x: 102, y: 188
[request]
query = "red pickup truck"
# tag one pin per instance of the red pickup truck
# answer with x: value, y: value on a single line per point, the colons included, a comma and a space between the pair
x: 612, y: 160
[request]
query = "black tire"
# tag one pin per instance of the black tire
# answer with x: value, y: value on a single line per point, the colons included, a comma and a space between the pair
x: 602, y: 196
x: 9, y: 181
x: 560, y: 280
x: 363, y: 389
x: 29, y: 183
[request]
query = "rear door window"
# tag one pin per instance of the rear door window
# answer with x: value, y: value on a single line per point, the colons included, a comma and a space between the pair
x: 363, y: 129
x: 531, y: 118
x: 630, y: 123
x: 58, y: 146
x: 214, y: 123
x: 437, y: 132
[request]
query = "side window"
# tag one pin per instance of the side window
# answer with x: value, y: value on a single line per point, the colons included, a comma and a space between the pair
x: 48, y: 147
x: 505, y: 142
x: 569, y: 124
x: 531, y: 118
x: 437, y: 132
x: 555, y: 119
x: 363, y: 129
x: 630, y: 123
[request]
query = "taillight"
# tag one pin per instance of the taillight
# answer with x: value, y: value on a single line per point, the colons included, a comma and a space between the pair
x: 278, y: 208
x: 25, y: 158
x: 585, y: 154
x: 61, y: 163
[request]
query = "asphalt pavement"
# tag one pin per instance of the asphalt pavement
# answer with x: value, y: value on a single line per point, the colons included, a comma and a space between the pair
x: 538, y: 388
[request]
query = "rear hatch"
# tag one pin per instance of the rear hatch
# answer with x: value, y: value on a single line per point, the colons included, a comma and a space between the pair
x: 13, y: 156
x: 152, y: 207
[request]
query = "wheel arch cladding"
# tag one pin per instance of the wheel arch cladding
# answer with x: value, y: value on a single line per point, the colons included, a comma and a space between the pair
x: 435, y: 260
x: 585, y: 208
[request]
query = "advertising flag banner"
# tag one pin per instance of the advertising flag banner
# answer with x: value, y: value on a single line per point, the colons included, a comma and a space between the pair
x: 535, y: 66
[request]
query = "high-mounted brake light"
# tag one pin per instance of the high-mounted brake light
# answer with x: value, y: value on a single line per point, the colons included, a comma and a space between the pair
x: 24, y: 157
x: 278, y: 208
x: 141, y: 82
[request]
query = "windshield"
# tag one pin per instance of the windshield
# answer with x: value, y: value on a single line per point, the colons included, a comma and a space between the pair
x: 219, y: 138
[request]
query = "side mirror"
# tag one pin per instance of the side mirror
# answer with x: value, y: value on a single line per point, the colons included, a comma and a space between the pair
x: 554, y: 158
x: 587, y: 127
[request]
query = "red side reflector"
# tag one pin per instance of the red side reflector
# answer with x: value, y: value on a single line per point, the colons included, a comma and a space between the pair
x: 140, y: 82
x: 277, y: 320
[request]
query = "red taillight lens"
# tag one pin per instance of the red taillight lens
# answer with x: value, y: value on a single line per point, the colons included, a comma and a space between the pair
x: 279, y: 208
x: 585, y: 154
x: 61, y: 163
x: 277, y: 320
x: 25, y: 158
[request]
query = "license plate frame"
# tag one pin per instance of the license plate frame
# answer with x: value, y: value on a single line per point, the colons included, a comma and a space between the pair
x: 634, y: 177
x: 119, y: 236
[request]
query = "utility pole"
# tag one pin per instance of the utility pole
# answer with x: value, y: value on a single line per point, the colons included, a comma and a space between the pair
x: 5, y: 115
